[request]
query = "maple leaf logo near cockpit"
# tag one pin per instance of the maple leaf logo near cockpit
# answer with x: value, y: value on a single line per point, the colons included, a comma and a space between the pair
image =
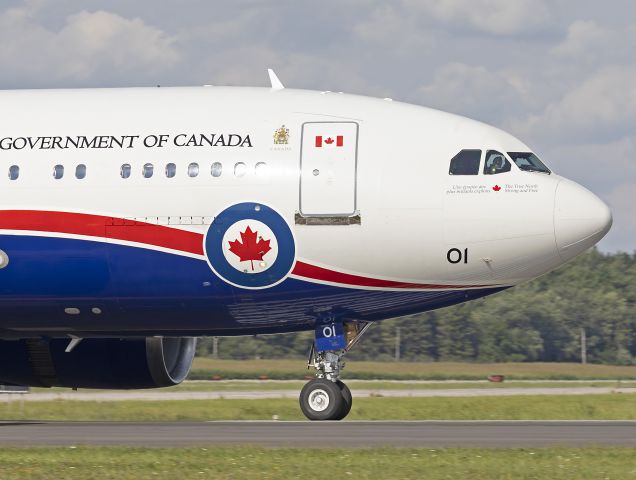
x: 251, y: 247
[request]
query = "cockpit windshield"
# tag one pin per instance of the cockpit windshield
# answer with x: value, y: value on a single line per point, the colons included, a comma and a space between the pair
x: 529, y: 162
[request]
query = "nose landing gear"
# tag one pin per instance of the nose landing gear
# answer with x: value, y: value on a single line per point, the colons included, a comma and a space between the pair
x: 326, y: 397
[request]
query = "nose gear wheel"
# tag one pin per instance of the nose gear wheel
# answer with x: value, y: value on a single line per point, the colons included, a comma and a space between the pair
x: 321, y: 399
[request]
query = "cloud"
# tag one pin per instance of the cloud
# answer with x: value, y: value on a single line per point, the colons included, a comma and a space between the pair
x: 102, y: 38
x: 594, y: 165
x: 475, y: 91
x: 388, y: 26
x: 602, y: 108
x: 89, y: 44
x: 497, y: 17
x: 587, y: 41
x: 583, y: 37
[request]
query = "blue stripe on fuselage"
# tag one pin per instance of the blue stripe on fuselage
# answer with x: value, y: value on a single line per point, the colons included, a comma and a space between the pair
x: 142, y: 290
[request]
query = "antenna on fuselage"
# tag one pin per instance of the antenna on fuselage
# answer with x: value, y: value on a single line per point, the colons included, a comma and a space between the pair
x: 273, y: 78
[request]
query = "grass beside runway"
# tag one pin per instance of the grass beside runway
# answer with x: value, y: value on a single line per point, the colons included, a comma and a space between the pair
x: 206, y: 368
x: 262, y: 463
x: 540, y: 407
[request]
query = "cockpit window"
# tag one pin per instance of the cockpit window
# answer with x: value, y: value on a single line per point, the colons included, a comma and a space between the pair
x: 496, y: 163
x: 528, y: 162
x: 465, y: 162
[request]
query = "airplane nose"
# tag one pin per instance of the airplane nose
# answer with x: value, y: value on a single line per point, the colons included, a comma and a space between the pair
x: 581, y: 219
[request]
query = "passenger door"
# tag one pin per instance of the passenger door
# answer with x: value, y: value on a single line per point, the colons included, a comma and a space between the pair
x: 328, y: 169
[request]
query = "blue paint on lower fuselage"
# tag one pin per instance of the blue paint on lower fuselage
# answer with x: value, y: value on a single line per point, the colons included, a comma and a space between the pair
x: 142, y: 291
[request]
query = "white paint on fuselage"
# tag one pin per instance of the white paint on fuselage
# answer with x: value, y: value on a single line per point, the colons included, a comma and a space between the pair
x: 413, y: 212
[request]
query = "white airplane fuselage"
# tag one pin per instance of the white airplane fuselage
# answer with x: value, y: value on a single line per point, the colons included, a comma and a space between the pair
x: 193, y: 211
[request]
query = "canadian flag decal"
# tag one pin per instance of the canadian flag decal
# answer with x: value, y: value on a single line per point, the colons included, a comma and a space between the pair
x: 329, y: 141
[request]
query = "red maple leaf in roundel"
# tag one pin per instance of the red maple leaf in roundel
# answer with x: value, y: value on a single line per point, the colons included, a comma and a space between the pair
x: 250, y: 249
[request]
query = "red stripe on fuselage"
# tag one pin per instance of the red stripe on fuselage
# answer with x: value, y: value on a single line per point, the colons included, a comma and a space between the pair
x: 175, y: 239
x: 324, y: 274
x: 102, y: 227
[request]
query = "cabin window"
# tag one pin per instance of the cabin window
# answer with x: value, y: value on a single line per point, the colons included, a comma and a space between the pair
x: 193, y: 170
x: 217, y: 169
x: 240, y: 169
x: 171, y: 170
x: 80, y: 171
x: 125, y: 170
x: 496, y: 163
x: 465, y: 162
x: 58, y: 172
x: 148, y: 170
x: 14, y: 172
x: 260, y: 169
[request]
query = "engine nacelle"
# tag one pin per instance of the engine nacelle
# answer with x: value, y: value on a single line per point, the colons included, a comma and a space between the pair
x: 109, y: 363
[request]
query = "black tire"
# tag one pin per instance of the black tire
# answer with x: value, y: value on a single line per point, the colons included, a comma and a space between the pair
x: 321, y: 399
x: 347, y: 400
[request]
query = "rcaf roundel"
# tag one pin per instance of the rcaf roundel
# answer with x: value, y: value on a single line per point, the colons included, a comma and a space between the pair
x: 250, y: 245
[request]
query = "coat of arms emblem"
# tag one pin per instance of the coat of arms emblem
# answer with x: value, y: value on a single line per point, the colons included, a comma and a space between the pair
x: 281, y: 136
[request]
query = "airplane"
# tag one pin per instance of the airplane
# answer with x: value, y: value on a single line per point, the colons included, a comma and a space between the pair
x: 134, y: 220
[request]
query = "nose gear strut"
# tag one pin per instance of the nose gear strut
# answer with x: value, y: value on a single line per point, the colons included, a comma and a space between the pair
x: 326, y: 397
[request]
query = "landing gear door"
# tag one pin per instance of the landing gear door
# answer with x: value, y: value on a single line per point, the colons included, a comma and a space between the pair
x: 328, y: 165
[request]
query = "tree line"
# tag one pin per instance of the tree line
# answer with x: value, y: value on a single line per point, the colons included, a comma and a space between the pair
x: 591, y: 298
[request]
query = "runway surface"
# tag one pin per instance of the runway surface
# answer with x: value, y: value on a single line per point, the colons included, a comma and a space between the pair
x: 162, y: 395
x: 350, y: 434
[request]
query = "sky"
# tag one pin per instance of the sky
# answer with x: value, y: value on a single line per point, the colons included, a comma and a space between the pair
x: 558, y: 74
